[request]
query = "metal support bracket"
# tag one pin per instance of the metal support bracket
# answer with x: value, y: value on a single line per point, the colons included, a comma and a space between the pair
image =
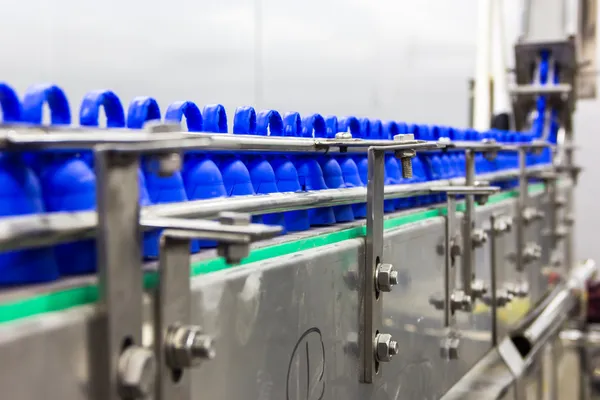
x: 455, y: 299
x: 378, y: 277
x: 179, y: 345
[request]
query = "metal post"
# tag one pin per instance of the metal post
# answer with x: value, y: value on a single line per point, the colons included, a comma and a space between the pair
x: 449, y: 270
x: 172, y: 307
x: 468, y: 258
x: 493, y: 279
x: 521, y: 204
x: 371, y: 308
x: 120, y: 273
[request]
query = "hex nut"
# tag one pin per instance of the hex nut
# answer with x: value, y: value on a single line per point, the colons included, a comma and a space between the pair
x: 343, y: 135
x: 136, y: 372
x: 479, y: 238
x: 386, y: 277
x: 481, y: 199
x: 478, y: 288
x: 385, y: 347
x: 188, y: 346
x: 455, y: 248
x: 461, y: 301
x: 233, y: 253
x: 449, y: 348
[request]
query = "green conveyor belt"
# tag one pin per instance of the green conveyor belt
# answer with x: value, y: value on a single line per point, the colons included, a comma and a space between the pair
x: 62, y: 299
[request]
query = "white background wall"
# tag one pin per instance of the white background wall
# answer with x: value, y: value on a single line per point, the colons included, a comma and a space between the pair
x: 401, y: 59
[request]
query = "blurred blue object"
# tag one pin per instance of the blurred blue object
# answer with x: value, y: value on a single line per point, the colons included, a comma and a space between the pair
x: 310, y: 174
x: 21, y: 194
x: 67, y: 180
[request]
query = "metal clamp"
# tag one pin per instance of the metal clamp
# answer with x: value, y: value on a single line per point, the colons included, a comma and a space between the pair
x: 179, y: 345
x: 378, y: 277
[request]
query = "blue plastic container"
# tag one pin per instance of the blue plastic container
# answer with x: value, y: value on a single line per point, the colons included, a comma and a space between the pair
x: 262, y: 174
x: 350, y: 171
x: 68, y: 182
x: 90, y: 110
x: 21, y: 194
x: 287, y: 175
x: 310, y: 174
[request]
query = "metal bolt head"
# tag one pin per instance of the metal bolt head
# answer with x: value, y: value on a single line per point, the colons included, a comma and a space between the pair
x: 386, y: 277
x: 234, y: 218
x: 233, y: 253
x: 343, y: 135
x: 479, y: 237
x: 461, y: 301
x: 509, y: 223
x: 164, y: 164
x: 500, y: 226
x: 385, y: 347
x: 449, y: 348
x: 187, y: 346
x: 455, y: 249
x: 503, y: 297
x: 478, y: 288
x: 481, y: 199
x: 491, y: 154
x: 404, y: 137
x: 136, y: 372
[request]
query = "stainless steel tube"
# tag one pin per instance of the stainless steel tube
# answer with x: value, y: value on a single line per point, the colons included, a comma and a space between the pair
x: 558, y: 309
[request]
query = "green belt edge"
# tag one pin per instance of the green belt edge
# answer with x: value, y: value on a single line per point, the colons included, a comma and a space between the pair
x: 67, y: 298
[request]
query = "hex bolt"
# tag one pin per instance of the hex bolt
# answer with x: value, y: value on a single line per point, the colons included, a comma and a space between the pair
x: 406, y: 156
x: 187, y: 346
x: 491, y: 154
x: 233, y: 253
x: 136, y: 372
x: 449, y: 348
x: 500, y: 226
x: 478, y: 288
x: 517, y: 289
x: 478, y: 237
x: 343, y: 135
x: 164, y: 164
x: 532, y: 252
x: 481, y: 199
x: 385, y: 347
x: 461, y: 301
x: 385, y: 277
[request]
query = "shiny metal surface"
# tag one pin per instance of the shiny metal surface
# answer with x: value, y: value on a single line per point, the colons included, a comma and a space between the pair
x: 284, y: 328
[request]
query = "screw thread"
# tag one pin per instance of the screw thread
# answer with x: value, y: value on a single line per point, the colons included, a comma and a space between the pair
x: 407, y: 168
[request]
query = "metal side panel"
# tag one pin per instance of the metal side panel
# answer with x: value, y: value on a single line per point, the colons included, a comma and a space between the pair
x: 286, y: 328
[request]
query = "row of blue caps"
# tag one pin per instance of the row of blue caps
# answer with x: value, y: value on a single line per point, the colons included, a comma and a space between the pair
x: 52, y: 181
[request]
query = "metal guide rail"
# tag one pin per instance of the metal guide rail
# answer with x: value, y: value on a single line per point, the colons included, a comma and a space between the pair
x: 117, y: 225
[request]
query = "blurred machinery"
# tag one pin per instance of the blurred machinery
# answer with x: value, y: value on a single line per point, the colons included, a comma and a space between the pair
x: 299, y: 258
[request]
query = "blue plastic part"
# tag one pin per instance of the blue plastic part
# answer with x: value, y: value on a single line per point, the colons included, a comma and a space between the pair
x: 95, y: 100
x: 89, y: 112
x: 215, y: 118
x: 21, y: 194
x: 262, y: 174
x: 331, y: 122
x: 310, y: 174
x: 10, y: 104
x: 350, y: 170
x: 362, y: 163
x: 376, y: 131
x: 188, y: 109
x: 159, y: 189
x: 287, y: 174
x: 67, y: 181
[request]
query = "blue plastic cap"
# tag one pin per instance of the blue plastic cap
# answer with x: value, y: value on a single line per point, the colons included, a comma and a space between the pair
x: 389, y: 130
x: 215, y: 118
x: 244, y: 121
x: 365, y: 128
x: 444, y: 132
x: 35, y: 98
x: 434, y: 132
x: 10, y: 104
x: 314, y: 126
x: 422, y: 132
x: 141, y: 110
x: 403, y: 128
x: 376, y: 131
x: 188, y: 109
x: 331, y: 122
x: 269, y: 123
x: 107, y: 99
x: 292, y: 124
x: 349, y: 124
